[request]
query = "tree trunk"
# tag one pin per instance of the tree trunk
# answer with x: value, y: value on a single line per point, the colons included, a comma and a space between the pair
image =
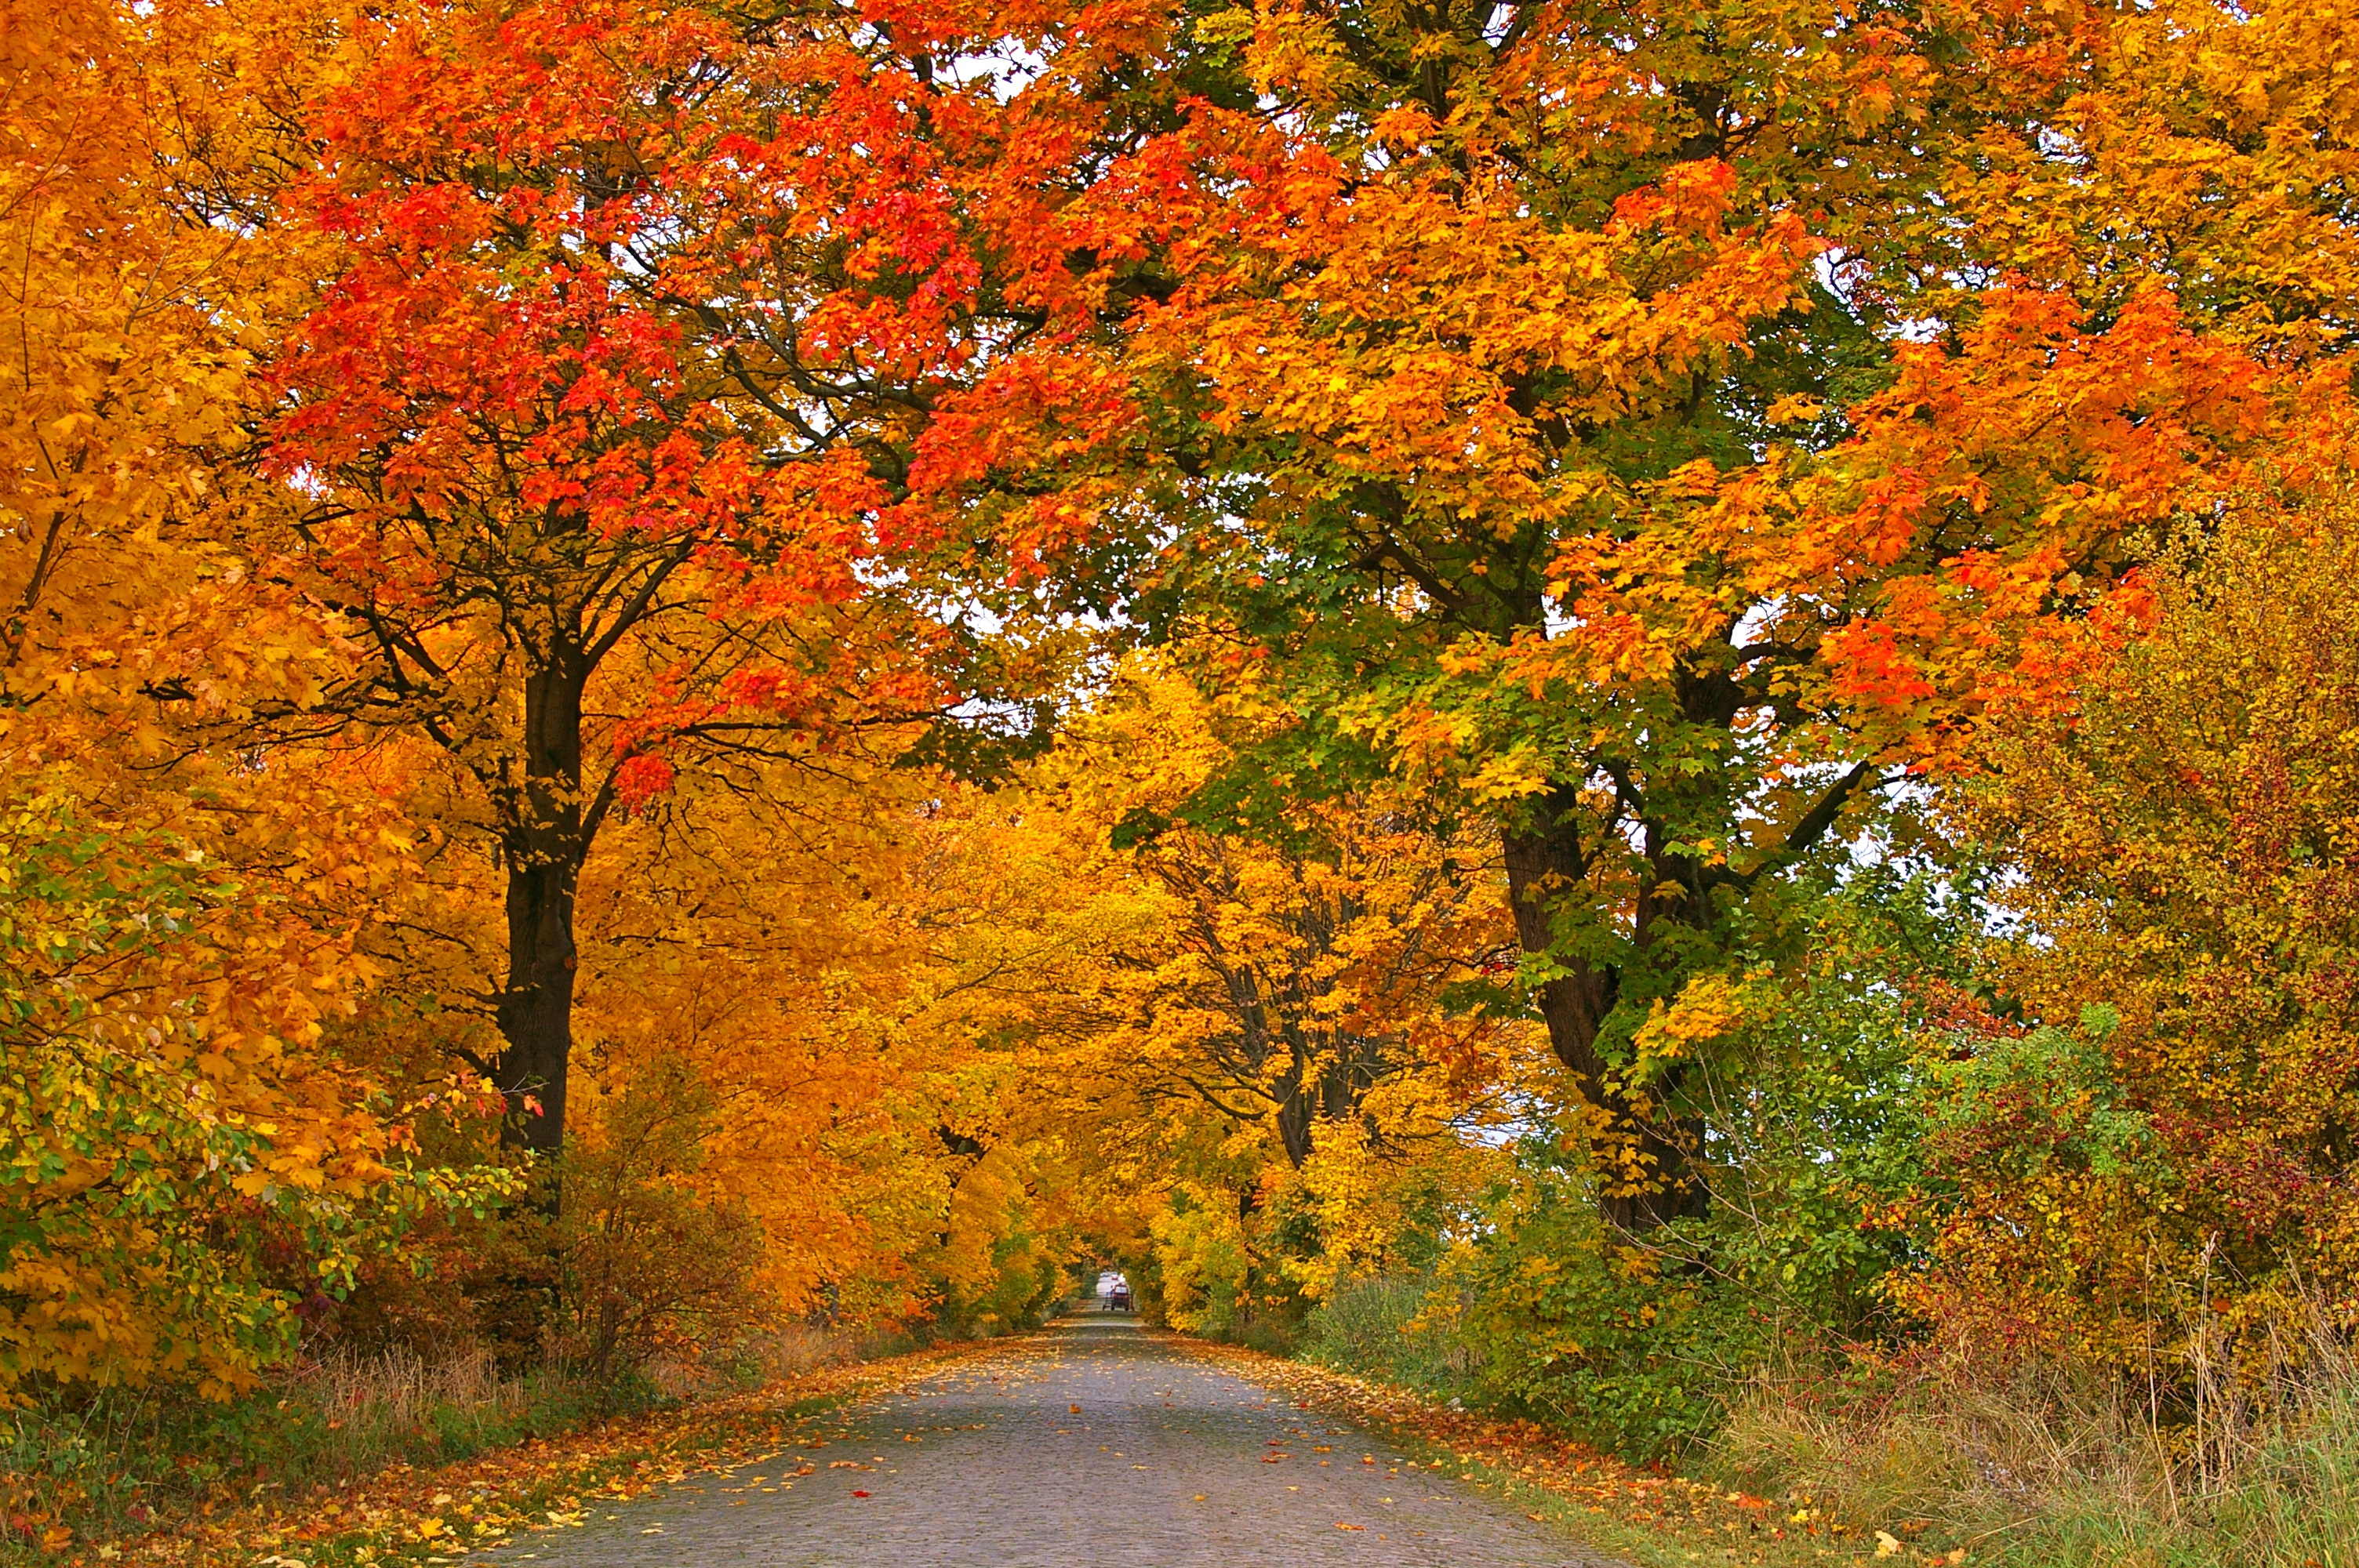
x: 544, y: 844
x: 1293, y: 1112
x: 536, y: 1011
x: 1546, y: 863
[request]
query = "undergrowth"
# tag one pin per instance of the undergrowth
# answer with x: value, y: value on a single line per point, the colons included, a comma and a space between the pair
x: 2035, y: 1468
x: 118, y: 1462
x: 1968, y: 1461
x: 123, y: 1460
x: 1372, y: 1329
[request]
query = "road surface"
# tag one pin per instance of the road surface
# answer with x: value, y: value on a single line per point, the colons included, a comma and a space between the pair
x: 1093, y: 1443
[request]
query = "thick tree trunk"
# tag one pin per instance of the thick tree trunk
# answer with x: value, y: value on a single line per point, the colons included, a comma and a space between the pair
x: 1545, y: 862
x: 544, y: 846
x: 536, y: 1011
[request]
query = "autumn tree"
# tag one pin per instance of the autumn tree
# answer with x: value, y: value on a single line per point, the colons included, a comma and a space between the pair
x: 186, y: 1160
x: 1242, y: 1060
x: 216, y: 727
x: 182, y: 1166
x: 2163, y: 1168
x: 777, y: 942
x: 1303, y: 965
x: 1595, y: 416
x: 606, y: 415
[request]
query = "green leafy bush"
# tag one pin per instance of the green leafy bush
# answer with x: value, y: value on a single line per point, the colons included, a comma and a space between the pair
x: 1640, y: 1341
x: 1375, y: 1327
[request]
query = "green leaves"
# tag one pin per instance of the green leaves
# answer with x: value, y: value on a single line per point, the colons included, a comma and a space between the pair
x: 171, y: 1186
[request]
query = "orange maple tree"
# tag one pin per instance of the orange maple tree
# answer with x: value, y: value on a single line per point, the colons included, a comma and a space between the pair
x: 606, y: 417
x: 1655, y: 425
x: 185, y: 1164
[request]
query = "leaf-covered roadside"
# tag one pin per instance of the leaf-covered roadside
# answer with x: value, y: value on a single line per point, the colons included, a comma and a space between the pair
x: 408, y: 1514
x: 1644, y: 1515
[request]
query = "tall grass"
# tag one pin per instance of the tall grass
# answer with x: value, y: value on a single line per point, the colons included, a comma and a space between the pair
x: 2021, y: 1464
x: 397, y: 1390
x: 2295, y: 1498
x: 770, y: 1354
x: 2043, y: 1466
x: 119, y: 1460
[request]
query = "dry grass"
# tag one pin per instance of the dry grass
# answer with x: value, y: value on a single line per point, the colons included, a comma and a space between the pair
x: 2044, y: 1465
x: 399, y: 1388
x: 777, y: 1353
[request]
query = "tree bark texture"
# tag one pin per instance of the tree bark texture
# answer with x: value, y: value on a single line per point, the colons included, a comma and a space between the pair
x: 544, y: 848
x: 1545, y: 862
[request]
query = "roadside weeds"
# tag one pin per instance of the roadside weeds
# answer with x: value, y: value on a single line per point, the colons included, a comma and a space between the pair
x: 406, y: 1514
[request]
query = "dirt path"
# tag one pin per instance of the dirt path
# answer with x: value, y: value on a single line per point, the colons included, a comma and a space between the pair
x: 1095, y: 1443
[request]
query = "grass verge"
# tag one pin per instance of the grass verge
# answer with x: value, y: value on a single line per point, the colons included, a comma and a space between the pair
x: 2016, y: 1487
x: 436, y: 1513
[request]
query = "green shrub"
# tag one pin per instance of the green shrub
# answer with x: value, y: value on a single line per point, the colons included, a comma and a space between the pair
x: 1371, y: 1328
x: 1640, y: 1341
x: 1270, y: 1336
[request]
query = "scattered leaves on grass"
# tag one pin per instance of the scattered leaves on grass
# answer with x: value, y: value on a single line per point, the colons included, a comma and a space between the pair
x: 404, y: 1514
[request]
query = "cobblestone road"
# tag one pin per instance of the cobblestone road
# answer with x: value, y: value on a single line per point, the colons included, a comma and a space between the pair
x: 1093, y: 1442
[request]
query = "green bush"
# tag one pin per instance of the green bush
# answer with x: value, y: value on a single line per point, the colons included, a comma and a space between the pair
x: 1640, y: 1342
x: 1270, y: 1336
x: 1370, y: 1327
x: 1564, y: 1326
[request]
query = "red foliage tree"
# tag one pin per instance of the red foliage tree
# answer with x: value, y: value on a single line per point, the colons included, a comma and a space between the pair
x: 605, y: 420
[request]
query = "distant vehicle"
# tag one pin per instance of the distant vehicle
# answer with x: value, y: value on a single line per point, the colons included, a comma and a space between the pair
x: 1119, y: 1301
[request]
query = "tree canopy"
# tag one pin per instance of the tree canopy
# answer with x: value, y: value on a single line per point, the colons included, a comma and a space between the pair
x: 1677, y: 671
